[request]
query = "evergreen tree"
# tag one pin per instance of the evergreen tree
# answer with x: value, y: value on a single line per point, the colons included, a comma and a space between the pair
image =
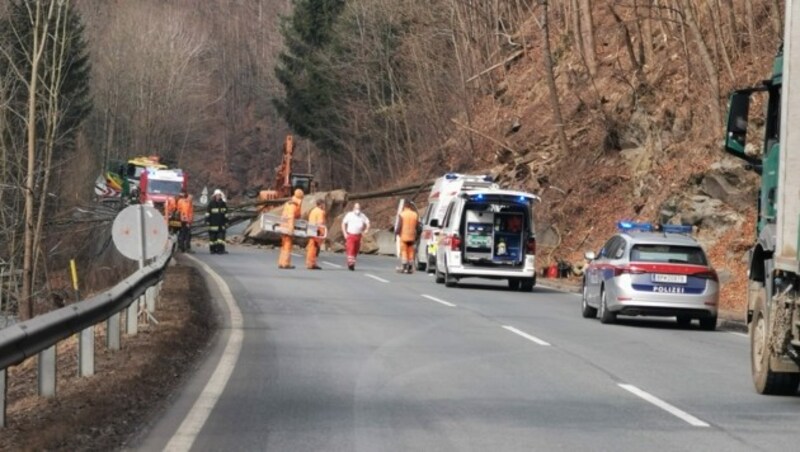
x: 310, y: 97
x: 72, y: 85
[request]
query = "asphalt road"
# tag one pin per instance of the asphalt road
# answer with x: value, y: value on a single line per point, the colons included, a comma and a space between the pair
x: 373, y: 360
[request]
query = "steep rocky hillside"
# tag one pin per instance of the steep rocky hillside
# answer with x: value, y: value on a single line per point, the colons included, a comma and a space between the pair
x: 642, y: 143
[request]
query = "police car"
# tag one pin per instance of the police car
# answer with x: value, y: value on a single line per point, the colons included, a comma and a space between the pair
x: 644, y: 271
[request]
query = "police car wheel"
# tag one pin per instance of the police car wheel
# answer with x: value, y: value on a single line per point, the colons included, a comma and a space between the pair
x: 606, y: 316
x: 513, y: 284
x: 587, y: 311
x: 708, y: 323
x: 684, y: 320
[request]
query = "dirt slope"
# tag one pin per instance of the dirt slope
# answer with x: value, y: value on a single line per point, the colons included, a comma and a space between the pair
x: 640, y: 146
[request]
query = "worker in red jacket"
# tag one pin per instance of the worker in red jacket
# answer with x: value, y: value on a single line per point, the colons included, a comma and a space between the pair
x: 354, y: 225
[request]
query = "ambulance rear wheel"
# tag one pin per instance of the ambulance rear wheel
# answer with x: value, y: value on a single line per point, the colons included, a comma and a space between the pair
x: 449, y: 280
x: 526, y: 285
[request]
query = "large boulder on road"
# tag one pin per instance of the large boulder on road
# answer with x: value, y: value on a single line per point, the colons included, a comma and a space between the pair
x: 335, y: 201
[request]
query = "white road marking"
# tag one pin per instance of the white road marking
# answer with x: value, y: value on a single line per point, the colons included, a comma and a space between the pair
x: 185, y: 436
x: 736, y: 333
x: 331, y: 264
x: 677, y: 412
x: 446, y: 303
x: 527, y: 336
x: 376, y: 278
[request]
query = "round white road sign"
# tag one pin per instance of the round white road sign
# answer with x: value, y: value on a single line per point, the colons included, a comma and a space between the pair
x: 127, y: 235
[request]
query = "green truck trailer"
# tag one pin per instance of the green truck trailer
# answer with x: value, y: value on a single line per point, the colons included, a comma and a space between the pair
x: 773, y: 314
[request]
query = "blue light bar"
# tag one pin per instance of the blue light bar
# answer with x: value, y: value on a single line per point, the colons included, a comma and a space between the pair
x: 451, y: 176
x: 630, y: 226
x: 488, y: 178
x: 676, y: 228
x: 523, y: 199
x: 479, y: 196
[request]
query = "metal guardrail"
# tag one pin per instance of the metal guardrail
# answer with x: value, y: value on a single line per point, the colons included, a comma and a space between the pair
x: 40, y: 334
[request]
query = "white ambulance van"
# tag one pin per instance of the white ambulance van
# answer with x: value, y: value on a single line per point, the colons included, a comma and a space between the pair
x: 444, y: 190
x: 489, y: 234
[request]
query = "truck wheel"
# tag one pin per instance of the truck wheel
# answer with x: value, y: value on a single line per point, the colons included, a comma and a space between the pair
x: 587, y: 311
x: 513, y: 284
x: 526, y: 285
x: 765, y: 380
x: 606, y: 316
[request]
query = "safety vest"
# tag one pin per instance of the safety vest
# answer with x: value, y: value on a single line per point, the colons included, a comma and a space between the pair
x: 186, y: 209
x: 408, y: 225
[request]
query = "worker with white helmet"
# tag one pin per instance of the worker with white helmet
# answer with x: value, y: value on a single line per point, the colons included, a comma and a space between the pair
x: 217, y: 220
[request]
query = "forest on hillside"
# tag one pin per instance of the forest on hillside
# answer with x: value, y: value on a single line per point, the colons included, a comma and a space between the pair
x: 581, y: 101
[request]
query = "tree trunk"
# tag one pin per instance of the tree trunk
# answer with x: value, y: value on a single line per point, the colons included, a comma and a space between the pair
x: 587, y: 30
x: 751, y: 27
x: 736, y: 37
x: 577, y: 31
x: 52, y: 120
x: 776, y: 18
x: 707, y: 62
x: 626, y: 34
x: 555, y: 103
x: 465, y: 93
x: 26, y: 305
x: 647, y: 33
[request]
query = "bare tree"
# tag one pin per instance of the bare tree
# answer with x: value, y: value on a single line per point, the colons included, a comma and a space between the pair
x: 705, y: 60
x: 555, y: 103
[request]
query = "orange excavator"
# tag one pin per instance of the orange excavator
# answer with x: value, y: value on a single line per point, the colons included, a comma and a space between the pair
x: 285, y: 180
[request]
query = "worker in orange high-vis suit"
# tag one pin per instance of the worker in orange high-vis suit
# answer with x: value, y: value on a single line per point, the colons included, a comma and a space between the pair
x: 186, y: 212
x: 291, y: 212
x: 171, y: 214
x: 315, y: 217
x: 408, y: 237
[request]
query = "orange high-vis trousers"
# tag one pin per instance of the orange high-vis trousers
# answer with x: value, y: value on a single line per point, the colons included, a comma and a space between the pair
x: 407, y: 252
x: 285, y: 260
x: 312, y: 250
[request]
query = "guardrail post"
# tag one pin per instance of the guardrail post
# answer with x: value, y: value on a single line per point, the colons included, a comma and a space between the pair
x: 133, y: 318
x: 112, y: 332
x: 86, y: 352
x: 3, y: 393
x: 150, y: 297
x: 47, y: 372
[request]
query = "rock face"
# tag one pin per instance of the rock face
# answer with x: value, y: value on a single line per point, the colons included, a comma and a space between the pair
x: 335, y: 202
x: 729, y: 182
x: 714, y: 201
